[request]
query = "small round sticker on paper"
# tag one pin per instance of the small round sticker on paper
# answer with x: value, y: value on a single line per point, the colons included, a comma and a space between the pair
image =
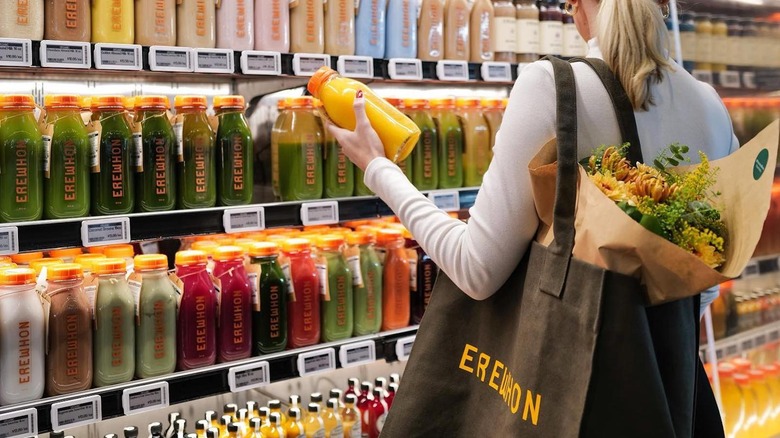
x: 759, y: 166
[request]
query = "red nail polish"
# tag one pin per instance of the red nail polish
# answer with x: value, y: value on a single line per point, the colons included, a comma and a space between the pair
x: 359, y: 94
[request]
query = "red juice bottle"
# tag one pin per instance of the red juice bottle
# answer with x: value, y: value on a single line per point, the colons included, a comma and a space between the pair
x: 304, y: 307
x: 353, y: 387
x: 196, y: 328
x: 377, y: 413
x: 234, y: 333
x: 364, y: 400
x: 391, y: 390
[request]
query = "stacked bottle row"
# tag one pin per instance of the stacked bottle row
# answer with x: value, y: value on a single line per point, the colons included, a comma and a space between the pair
x: 750, y: 396
x: 739, y: 309
x: 453, y: 150
x: 751, y: 115
x: 116, y: 155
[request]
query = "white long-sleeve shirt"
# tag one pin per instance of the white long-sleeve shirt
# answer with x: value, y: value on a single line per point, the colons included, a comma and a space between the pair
x: 481, y: 255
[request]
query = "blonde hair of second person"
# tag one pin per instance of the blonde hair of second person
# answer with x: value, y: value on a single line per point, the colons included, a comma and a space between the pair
x: 670, y: 106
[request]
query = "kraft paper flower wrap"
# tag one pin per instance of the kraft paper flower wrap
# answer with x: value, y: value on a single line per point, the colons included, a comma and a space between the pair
x: 608, y: 237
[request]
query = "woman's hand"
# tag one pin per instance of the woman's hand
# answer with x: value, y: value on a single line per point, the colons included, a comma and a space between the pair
x: 363, y: 144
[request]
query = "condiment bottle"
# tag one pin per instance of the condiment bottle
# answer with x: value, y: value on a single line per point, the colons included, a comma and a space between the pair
x: 235, y: 152
x: 336, y: 289
x: 688, y: 41
x: 339, y: 170
x: 303, y: 320
x: 296, y: 152
x: 331, y: 419
x: 397, y: 132
x: 236, y: 24
x: 68, y: 20
x: 550, y: 28
x: 481, y: 31
x: 156, y: 182
x: 113, y: 21
x: 350, y: 417
x: 476, y: 145
x: 366, y: 282
x: 395, y: 293
x: 456, y: 30
x: 294, y: 427
x: 528, y: 30
x: 114, y: 339
x: 22, y: 19
x: 69, y: 356
x: 703, y: 42
x: 450, y: 147
x: 158, y: 32
x: 377, y: 413
x: 196, y: 23
x: 235, y: 319
x: 340, y: 27
x: 370, y: 28
x: 401, y: 42
x: 504, y: 30
x: 66, y: 181
x: 112, y: 184
x: 307, y: 27
x: 272, y: 25
x: 364, y: 399
x: 270, y: 289
x: 156, y: 331
x: 425, y: 162
x: 21, y: 151
x: 197, y: 179
x: 313, y: 424
x: 197, y: 310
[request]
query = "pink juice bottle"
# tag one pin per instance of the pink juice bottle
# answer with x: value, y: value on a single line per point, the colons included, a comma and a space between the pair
x: 234, y: 333
x: 196, y: 328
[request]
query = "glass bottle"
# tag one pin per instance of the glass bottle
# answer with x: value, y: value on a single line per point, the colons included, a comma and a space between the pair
x: 156, y: 332
x: 350, y: 416
x: 21, y: 160
x: 67, y: 20
x: 377, y: 413
x: 430, y: 38
x: 196, y: 177
x: 364, y: 399
x: 269, y: 298
x: 331, y: 418
x: 303, y: 320
x: 504, y: 30
x: 112, y: 180
x: 395, y: 293
x: 476, y: 141
x: 275, y: 406
x: 114, y: 339
x: 113, y: 21
x: 235, y: 152
x: 336, y: 286
x: 294, y: 427
x: 313, y: 425
x: 528, y: 43
x: 234, y: 332
x: 367, y: 283
x: 550, y: 28
x: 156, y: 182
x: 425, y: 163
x: 196, y: 331
x: 297, y: 156
x: 481, y: 23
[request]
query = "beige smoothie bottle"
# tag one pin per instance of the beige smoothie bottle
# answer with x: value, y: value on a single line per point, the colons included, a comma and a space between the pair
x: 456, y: 30
x: 159, y: 31
x: 504, y: 30
x: 340, y: 27
x: 196, y: 23
x: 67, y: 20
x: 430, y: 33
x: 21, y: 19
x: 307, y: 29
x: 481, y: 24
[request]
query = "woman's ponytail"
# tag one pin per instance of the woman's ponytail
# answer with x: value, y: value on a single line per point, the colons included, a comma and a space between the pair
x: 633, y: 40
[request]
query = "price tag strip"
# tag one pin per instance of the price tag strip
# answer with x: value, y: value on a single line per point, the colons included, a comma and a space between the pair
x: 76, y: 412
x: 452, y: 70
x: 496, y: 72
x: 261, y: 63
x: 447, y: 200
x: 66, y: 54
x: 305, y: 64
x: 403, y: 347
x: 214, y: 61
x: 108, y: 231
x: 320, y: 213
x: 405, y: 69
x: 730, y: 79
x: 242, y: 219
x: 170, y: 59
x: 9, y: 240
x: 703, y: 75
x: 244, y: 377
x: 749, y: 79
x: 15, y: 53
x: 317, y: 361
x: 359, y: 353
x: 118, y: 57
x: 145, y: 398
x: 751, y: 270
x: 356, y: 66
x: 23, y: 423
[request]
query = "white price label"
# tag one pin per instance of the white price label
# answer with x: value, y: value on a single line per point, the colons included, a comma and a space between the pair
x: 320, y: 213
x: 751, y: 270
x: 145, y: 398
x: 168, y: 58
x: 316, y: 361
x: 730, y: 79
x: 356, y: 66
x: 447, y: 200
x: 261, y: 63
x: 244, y: 377
x: 107, y: 231
x: 22, y: 423
x: 749, y: 79
x: 703, y: 76
x: 15, y: 52
x: 405, y: 69
x: 243, y: 219
x: 403, y: 347
x: 357, y: 354
x: 214, y: 61
x: 306, y: 64
x: 774, y: 335
x: 65, y: 54
x: 118, y: 57
x: 150, y: 247
x: 452, y: 70
x: 76, y: 412
x: 9, y: 240
x: 496, y: 72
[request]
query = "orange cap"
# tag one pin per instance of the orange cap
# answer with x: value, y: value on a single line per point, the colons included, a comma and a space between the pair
x: 97, y: 249
x: 300, y: 102
x: 190, y: 102
x: 5, y: 259
x: 26, y: 258
x: 324, y: 74
x: 263, y: 249
x: 396, y: 102
x: 17, y: 276
x: 227, y: 253
x: 467, y: 102
x: 492, y: 103
x: 386, y: 236
x: 86, y: 260
x: 65, y: 253
x: 229, y: 102
x: 360, y: 238
x: 356, y: 223
x: 447, y: 102
x: 770, y: 370
x: 282, y: 104
x: 741, y: 379
x: 316, y: 228
x: 191, y: 257
x: 244, y: 243
x: 296, y: 245
x: 225, y: 241
x: 152, y: 102
x: 150, y: 262
x: 122, y: 251
x: 207, y: 246
x: 37, y: 265
x: 17, y: 101
x: 109, y: 266
x: 726, y: 370
x: 62, y: 101
x: 108, y: 102
x: 65, y: 271
x: 330, y: 242
x: 416, y: 103
x: 742, y: 365
x: 85, y: 103
x: 756, y: 375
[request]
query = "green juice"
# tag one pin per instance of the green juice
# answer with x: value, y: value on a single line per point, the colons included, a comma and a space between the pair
x: 113, y: 189
x: 269, y: 312
x: 339, y: 171
x: 156, y: 183
x: 21, y: 164
x: 156, y: 335
x: 360, y: 187
x: 337, y: 312
x: 425, y: 166
x: 66, y: 189
x: 234, y: 158
x: 298, y: 155
x: 368, y: 298
x: 197, y: 179
x: 450, y: 150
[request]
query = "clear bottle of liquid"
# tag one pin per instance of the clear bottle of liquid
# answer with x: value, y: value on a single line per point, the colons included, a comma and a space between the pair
x: 269, y: 313
x: 235, y: 152
x: 528, y: 48
x: 366, y: 282
x: 235, y: 24
x: 156, y: 183
x: 114, y: 339
x: 481, y: 22
x: 430, y: 33
x: 396, y: 290
x: 331, y: 418
x: 377, y: 413
x: 457, y: 43
x: 350, y: 417
x: 304, y: 311
x: 294, y: 427
x: 339, y: 396
x: 112, y: 183
x: 296, y: 155
x: 196, y: 23
x: 363, y: 400
x: 158, y: 32
x: 200, y: 428
x: 272, y: 25
x: 197, y: 175
x: 425, y: 163
x: 504, y: 30
x: 21, y: 151
x: 401, y: 42
x: 197, y: 312
x: 156, y: 332
x: 313, y: 424
x: 336, y: 286
x: 235, y: 328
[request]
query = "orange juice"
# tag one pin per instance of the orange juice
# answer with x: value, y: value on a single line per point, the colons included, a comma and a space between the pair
x: 764, y: 403
x: 749, y: 426
x: 733, y: 406
x: 773, y: 381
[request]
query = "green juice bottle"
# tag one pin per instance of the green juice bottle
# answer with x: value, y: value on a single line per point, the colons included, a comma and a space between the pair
x: 156, y: 182
x: 269, y: 299
x: 339, y: 170
x: 21, y: 160
x: 450, y: 151
x: 66, y: 159
x: 367, y: 283
x: 406, y: 165
x: 155, y: 345
x: 197, y: 175
x: 114, y: 339
x: 360, y: 187
x: 425, y: 165
x: 297, y: 158
x: 235, y: 152
x: 337, y: 311
x: 113, y: 189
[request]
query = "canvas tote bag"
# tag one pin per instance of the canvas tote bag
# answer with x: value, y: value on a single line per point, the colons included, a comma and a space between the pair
x: 564, y: 348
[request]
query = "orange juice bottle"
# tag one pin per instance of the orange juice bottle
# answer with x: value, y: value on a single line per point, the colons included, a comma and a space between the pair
x: 398, y: 133
x: 773, y: 382
x: 764, y: 403
x: 404, y: 165
x: 396, y: 278
x: 749, y: 425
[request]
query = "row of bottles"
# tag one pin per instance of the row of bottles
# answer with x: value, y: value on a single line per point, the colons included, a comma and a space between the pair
x: 116, y: 155
x: 750, y: 398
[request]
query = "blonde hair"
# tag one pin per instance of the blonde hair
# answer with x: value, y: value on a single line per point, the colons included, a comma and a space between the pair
x: 633, y: 39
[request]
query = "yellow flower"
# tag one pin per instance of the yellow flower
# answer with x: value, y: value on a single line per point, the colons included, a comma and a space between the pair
x: 704, y: 244
x: 610, y: 186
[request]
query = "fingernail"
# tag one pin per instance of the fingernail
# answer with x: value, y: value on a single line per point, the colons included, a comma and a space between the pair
x: 359, y: 94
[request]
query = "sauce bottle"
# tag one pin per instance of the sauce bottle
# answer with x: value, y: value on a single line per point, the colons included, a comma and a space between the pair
x: 313, y: 424
x: 307, y: 27
x: 550, y: 28
x: 197, y: 167
x: 504, y: 30
x: 272, y: 25
x: 113, y: 188
x: 377, y: 413
x: 235, y: 152
x: 350, y: 417
x: 339, y: 170
x: 339, y: 27
x: 235, y: 24
x: 113, y: 21
x: 304, y: 310
x: 156, y: 331
x: 67, y: 20
x: 450, y: 148
x: 395, y: 293
x: 156, y: 182
x: 21, y: 151
x: 196, y: 23
x: 406, y: 164
x: 158, y: 32
x: 456, y: 30
x: 336, y: 286
x: 331, y: 418
x: 481, y: 30
x: 296, y: 152
x: 430, y: 25
x: 22, y: 331
x: 294, y: 427
x: 370, y: 28
x: 66, y: 182
x: 353, y: 387
x: 22, y: 19
x: 397, y: 132
x: 476, y: 144
x: 391, y: 390
x: 270, y: 287
x: 69, y: 356
x: 197, y: 310
x: 401, y: 42
x: 528, y: 29
x: 235, y: 319
x: 425, y: 163
x: 366, y: 282
x: 114, y: 339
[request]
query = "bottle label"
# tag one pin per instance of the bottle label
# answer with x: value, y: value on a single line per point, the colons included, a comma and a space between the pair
x: 573, y: 44
x: 91, y: 292
x: 551, y: 37
x: 178, y: 132
x: 46, y: 154
x: 413, y: 274
x: 322, y: 271
x: 720, y: 49
x: 337, y: 432
x: 505, y: 34
x: 688, y: 43
x: 703, y: 47
x: 253, y: 284
x: 319, y: 434
x: 527, y: 36
x: 94, y: 151
x: 357, y: 273
x: 138, y: 152
x: 134, y: 284
x: 357, y: 430
x: 287, y: 270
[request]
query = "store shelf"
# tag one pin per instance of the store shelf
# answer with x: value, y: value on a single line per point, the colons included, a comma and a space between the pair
x: 743, y: 342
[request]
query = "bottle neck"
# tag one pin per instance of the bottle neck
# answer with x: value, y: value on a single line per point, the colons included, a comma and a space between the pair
x: 154, y: 274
